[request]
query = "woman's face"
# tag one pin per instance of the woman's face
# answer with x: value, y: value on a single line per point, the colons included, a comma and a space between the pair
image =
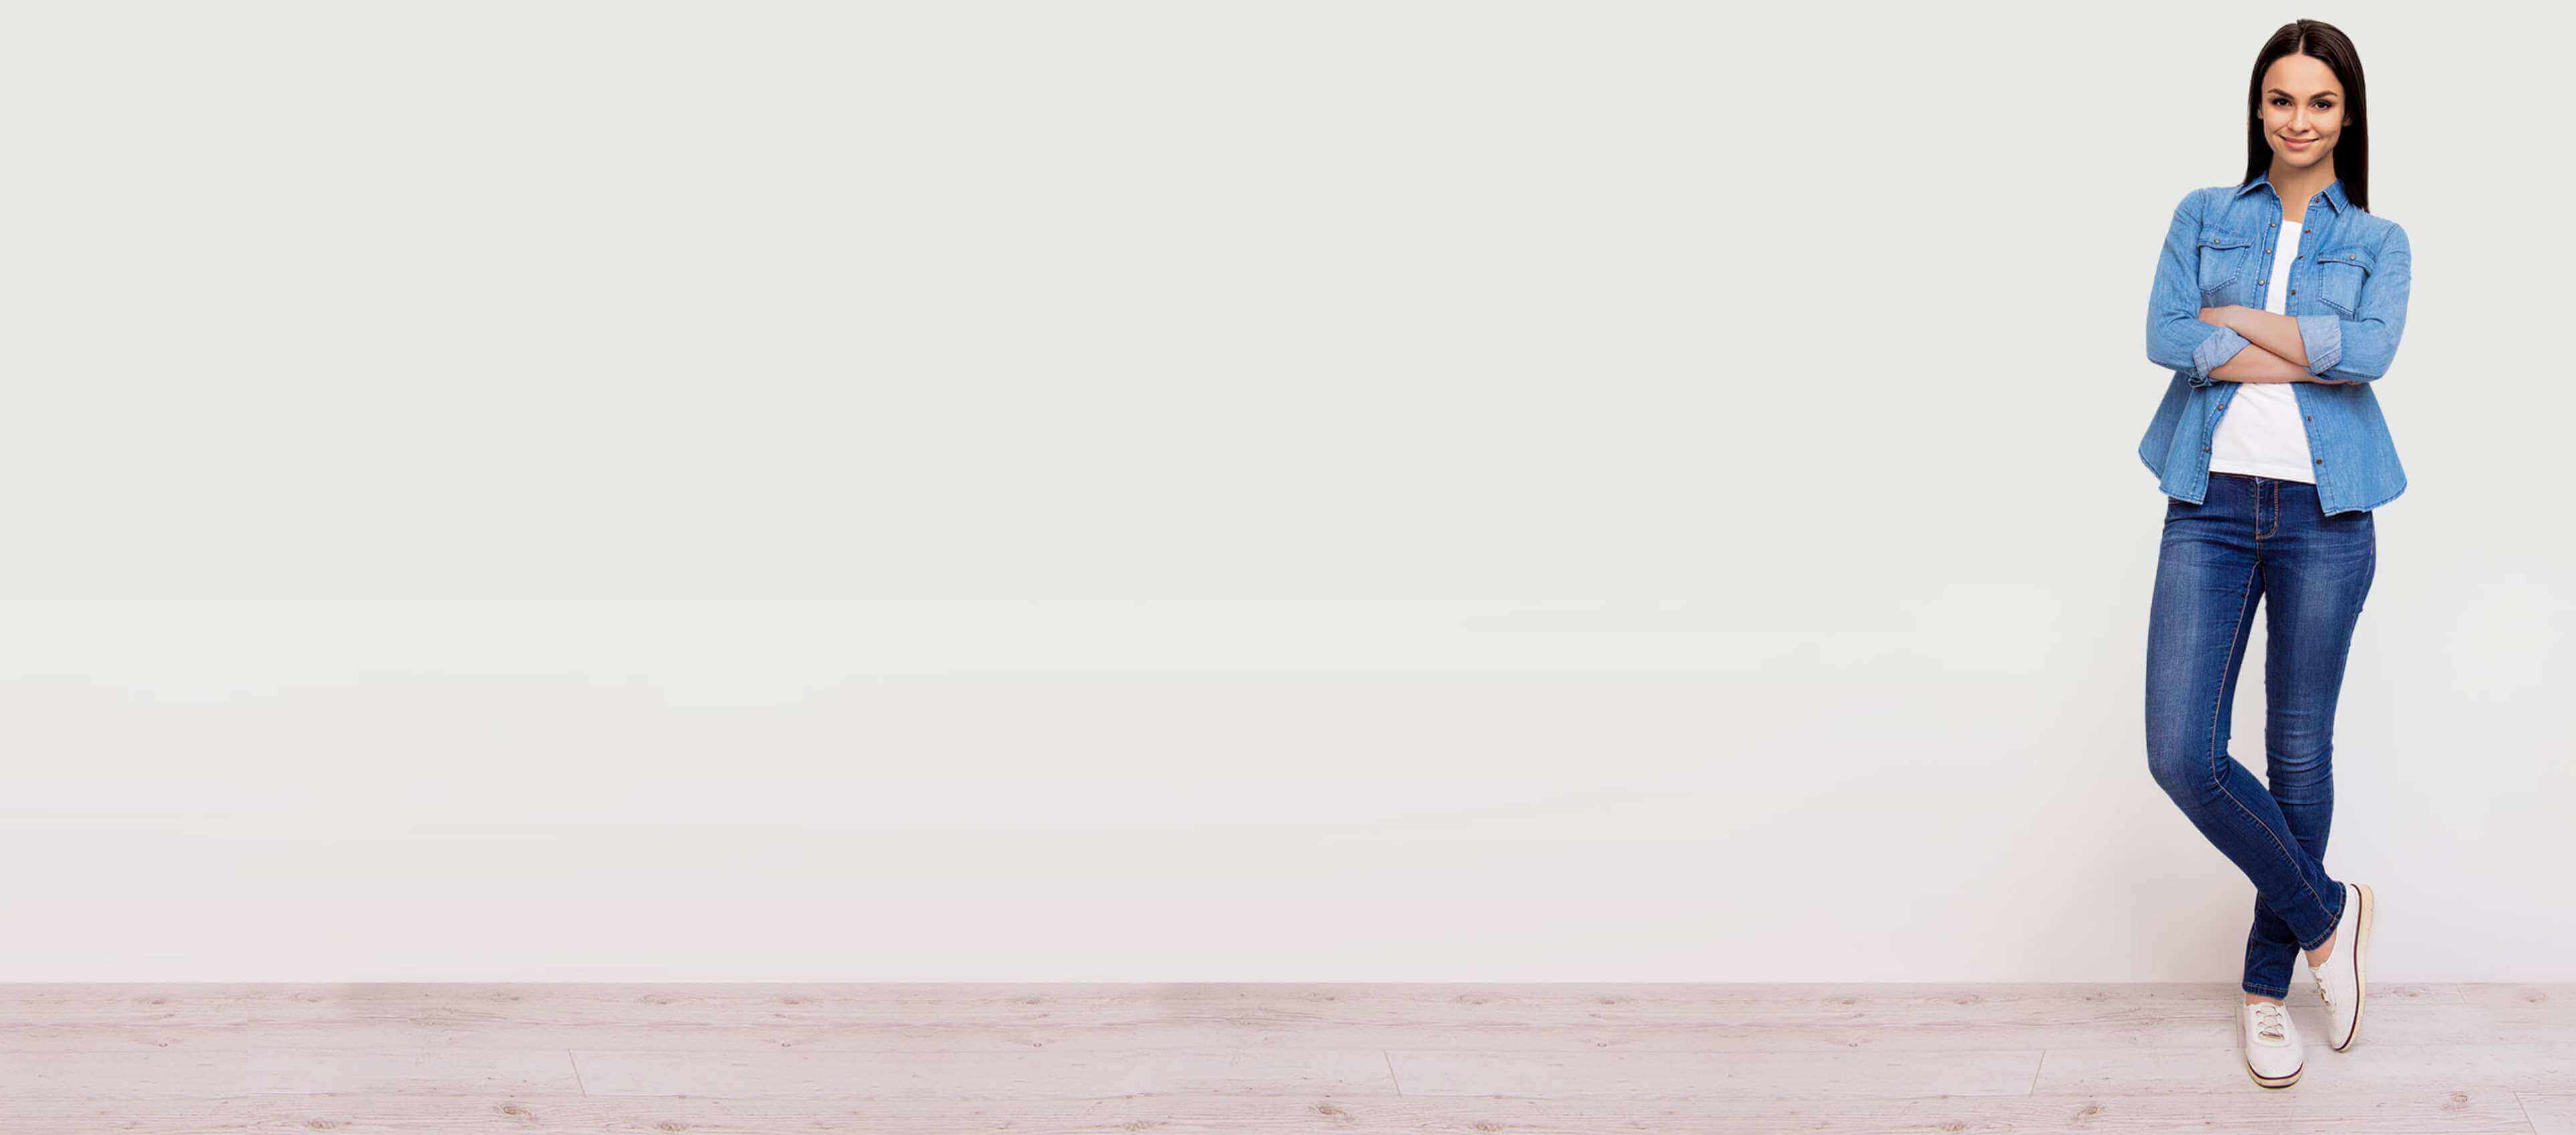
x: 2302, y: 107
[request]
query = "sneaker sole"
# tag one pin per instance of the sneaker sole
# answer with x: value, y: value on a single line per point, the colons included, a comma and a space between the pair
x: 2282, y: 1082
x: 2360, y: 963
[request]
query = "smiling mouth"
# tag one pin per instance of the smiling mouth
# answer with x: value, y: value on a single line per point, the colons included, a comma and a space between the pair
x: 2300, y: 141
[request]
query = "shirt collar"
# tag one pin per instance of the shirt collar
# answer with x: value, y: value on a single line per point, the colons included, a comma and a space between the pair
x: 2334, y: 190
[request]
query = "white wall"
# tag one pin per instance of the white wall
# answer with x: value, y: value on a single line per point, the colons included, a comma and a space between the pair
x: 1169, y: 491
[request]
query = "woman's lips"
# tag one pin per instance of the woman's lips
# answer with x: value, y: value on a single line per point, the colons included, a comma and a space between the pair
x: 2298, y: 143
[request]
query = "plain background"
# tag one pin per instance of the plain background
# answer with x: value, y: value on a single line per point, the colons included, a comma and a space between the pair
x: 1176, y: 491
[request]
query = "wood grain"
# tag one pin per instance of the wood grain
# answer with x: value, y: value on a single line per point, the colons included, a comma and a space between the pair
x: 1259, y: 1057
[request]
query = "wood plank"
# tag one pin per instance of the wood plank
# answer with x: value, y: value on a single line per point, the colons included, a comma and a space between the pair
x: 2022, y: 1022
x: 1806, y: 1057
x: 1280, y: 1004
x: 1668, y: 1075
x: 982, y: 1075
x: 2541, y: 1067
x: 2150, y: 1033
x: 2524, y: 1001
x: 2550, y: 1113
x: 218, y: 1072
x: 2255, y: 1112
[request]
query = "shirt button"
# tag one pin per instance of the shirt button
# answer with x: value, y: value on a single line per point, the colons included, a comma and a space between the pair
x: 2321, y: 461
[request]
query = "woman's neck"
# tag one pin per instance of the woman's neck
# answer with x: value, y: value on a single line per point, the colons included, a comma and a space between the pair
x: 2297, y: 185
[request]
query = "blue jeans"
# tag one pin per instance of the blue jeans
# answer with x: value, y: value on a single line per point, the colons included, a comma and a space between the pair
x: 2258, y: 538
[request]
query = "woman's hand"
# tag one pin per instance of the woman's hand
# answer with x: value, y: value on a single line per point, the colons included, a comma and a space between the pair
x: 2224, y: 316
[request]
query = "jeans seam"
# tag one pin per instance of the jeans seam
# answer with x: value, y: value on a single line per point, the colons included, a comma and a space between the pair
x: 2250, y: 987
x: 2214, y: 755
x: 2337, y: 917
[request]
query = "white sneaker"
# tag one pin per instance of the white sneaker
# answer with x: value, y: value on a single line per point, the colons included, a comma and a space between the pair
x: 2344, y: 978
x: 2272, y: 1052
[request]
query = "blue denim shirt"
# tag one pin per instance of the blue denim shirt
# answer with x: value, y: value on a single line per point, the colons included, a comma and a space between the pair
x: 2347, y: 289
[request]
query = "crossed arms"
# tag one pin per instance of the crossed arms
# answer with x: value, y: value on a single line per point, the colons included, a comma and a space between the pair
x: 2242, y: 344
x: 2273, y: 351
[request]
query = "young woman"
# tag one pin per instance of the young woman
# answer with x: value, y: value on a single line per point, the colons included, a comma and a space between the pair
x: 2278, y: 303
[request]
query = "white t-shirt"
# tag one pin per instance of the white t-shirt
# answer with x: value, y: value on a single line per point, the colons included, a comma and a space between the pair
x: 2259, y: 433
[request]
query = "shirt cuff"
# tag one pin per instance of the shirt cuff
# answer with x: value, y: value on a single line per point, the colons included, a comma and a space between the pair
x: 2213, y: 353
x: 2321, y: 336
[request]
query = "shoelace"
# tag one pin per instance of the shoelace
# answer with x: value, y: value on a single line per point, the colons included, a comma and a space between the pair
x: 2267, y: 1022
x: 2320, y: 986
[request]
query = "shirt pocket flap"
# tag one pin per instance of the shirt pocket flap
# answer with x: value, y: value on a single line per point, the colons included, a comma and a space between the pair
x: 2340, y: 275
x: 2223, y: 258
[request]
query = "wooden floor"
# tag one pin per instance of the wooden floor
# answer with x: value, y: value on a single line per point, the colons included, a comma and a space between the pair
x: 1171, y: 1059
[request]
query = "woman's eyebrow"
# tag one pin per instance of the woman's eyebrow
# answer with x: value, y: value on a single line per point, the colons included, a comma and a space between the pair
x: 2319, y: 94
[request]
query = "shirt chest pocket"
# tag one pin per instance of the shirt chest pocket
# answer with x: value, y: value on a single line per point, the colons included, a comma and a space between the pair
x: 2340, y: 274
x: 2225, y: 258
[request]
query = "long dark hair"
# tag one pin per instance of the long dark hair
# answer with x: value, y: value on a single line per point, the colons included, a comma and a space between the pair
x: 2327, y: 44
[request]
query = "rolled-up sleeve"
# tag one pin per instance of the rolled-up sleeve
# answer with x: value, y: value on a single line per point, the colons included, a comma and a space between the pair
x: 2321, y: 336
x: 2213, y: 353
x: 2361, y: 348
x: 2177, y: 338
